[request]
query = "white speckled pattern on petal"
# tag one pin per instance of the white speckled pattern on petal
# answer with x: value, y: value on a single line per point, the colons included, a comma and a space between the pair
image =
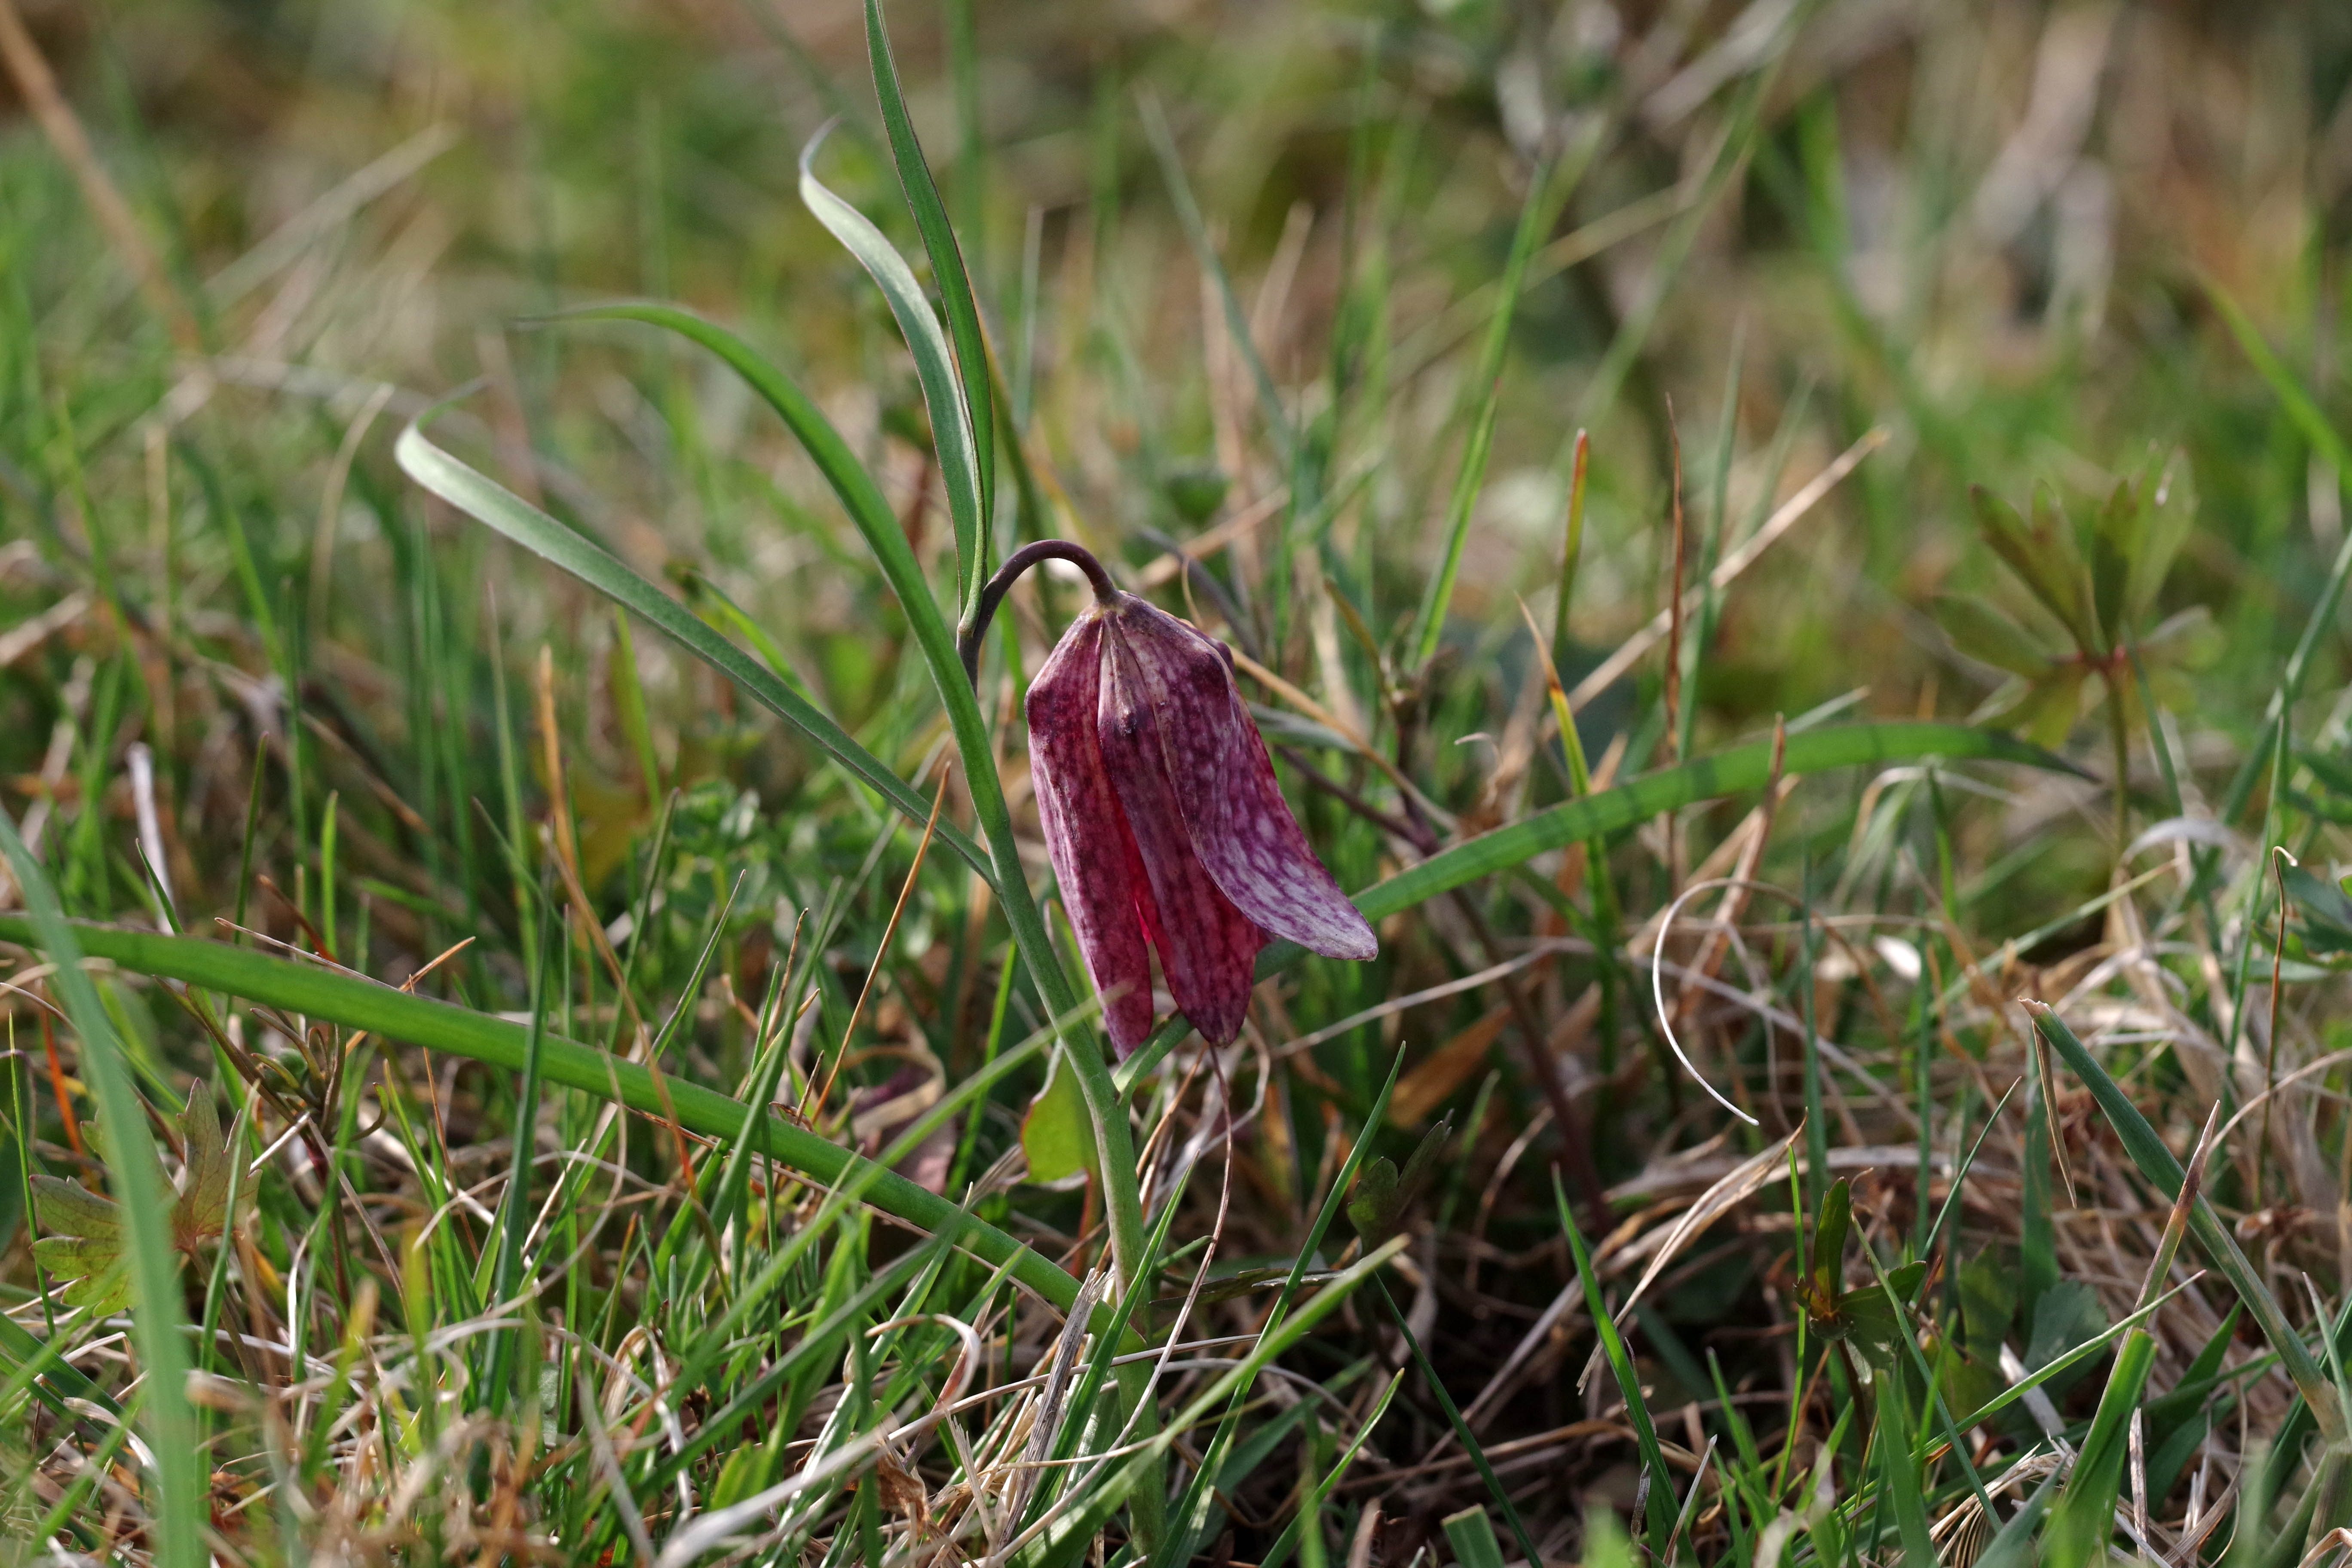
x: 1224, y: 787
x: 1208, y: 949
x: 1095, y: 858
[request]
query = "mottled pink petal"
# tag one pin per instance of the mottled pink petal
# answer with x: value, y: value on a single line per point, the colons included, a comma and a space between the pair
x: 1208, y: 949
x: 1225, y: 790
x: 1093, y: 857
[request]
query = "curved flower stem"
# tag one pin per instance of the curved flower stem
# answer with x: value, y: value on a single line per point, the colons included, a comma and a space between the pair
x: 969, y: 636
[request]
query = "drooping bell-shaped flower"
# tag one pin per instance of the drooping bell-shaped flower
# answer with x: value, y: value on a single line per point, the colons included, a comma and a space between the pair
x: 1164, y: 823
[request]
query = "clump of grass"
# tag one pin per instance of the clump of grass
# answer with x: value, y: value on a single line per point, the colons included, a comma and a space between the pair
x: 570, y: 1053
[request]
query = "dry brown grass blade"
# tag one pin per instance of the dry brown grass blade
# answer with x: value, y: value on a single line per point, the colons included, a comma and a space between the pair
x: 63, y: 128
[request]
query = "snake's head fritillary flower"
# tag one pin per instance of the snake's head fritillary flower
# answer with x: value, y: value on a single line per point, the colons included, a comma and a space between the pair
x: 1164, y: 823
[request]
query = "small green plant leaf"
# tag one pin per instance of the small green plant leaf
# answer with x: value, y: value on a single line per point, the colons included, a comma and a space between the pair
x: 84, y: 1248
x: 70, y: 1209
x: 1373, y: 1204
x: 2115, y: 541
x: 1377, y: 1207
x: 1825, y: 1248
x: 2042, y: 709
x: 201, y: 1211
x: 1057, y: 1134
x: 1877, y: 1326
x: 2042, y: 556
x: 2169, y: 513
x: 2327, y: 912
x: 1990, y: 636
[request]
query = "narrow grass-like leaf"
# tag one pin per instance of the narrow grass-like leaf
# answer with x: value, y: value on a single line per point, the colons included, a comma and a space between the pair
x: 954, y: 283
x: 1705, y: 778
x: 2085, y: 1517
x: 357, y: 1004
x: 2301, y: 408
x: 935, y: 367
x: 2014, y: 1546
x: 1898, y: 1466
x: 1621, y: 1366
x: 144, y: 1199
x: 1462, y: 1433
x: 2162, y: 1171
x: 1592, y: 816
x: 488, y: 501
x: 1278, y: 422
x: 1472, y: 1535
x: 1287, y: 1542
x: 1191, y: 1502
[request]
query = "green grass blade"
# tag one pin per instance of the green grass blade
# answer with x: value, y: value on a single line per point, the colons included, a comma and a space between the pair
x: 935, y: 365
x: 2162, y: 1171
x: 1898, y: 1466
x: 488, y: 502
x: 2013, y: 1547
x: 1621, y: 1366
x: 1628, y: 806
x: 1547, y: 194
x: 1705, y: 778
x: 2085, y: 1517
x: 1292, y: 1533
x: 1191, y: 1500
x: 1107, y: 1495
x: 1472, y: 1535
x: 2301, y: 410
x: 137, y: 1180
x: 948, y: 273
x: 357, y: 1004
x: 1462, y: 1433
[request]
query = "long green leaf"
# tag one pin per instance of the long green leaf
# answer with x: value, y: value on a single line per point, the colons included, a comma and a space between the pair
x: 1629, y: 805
x: 136, y: 1177
x: 1287, y: 1542
x: 2085, y: 1521
x: 943, y: 395
x: 488, y: 501
x: 2161, y: 1171
x: 1669, y: 789
x: 954, y: 281
x: 359, y: 1004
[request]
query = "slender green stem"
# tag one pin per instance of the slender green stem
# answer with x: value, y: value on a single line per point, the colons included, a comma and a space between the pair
x: 969, y: 636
